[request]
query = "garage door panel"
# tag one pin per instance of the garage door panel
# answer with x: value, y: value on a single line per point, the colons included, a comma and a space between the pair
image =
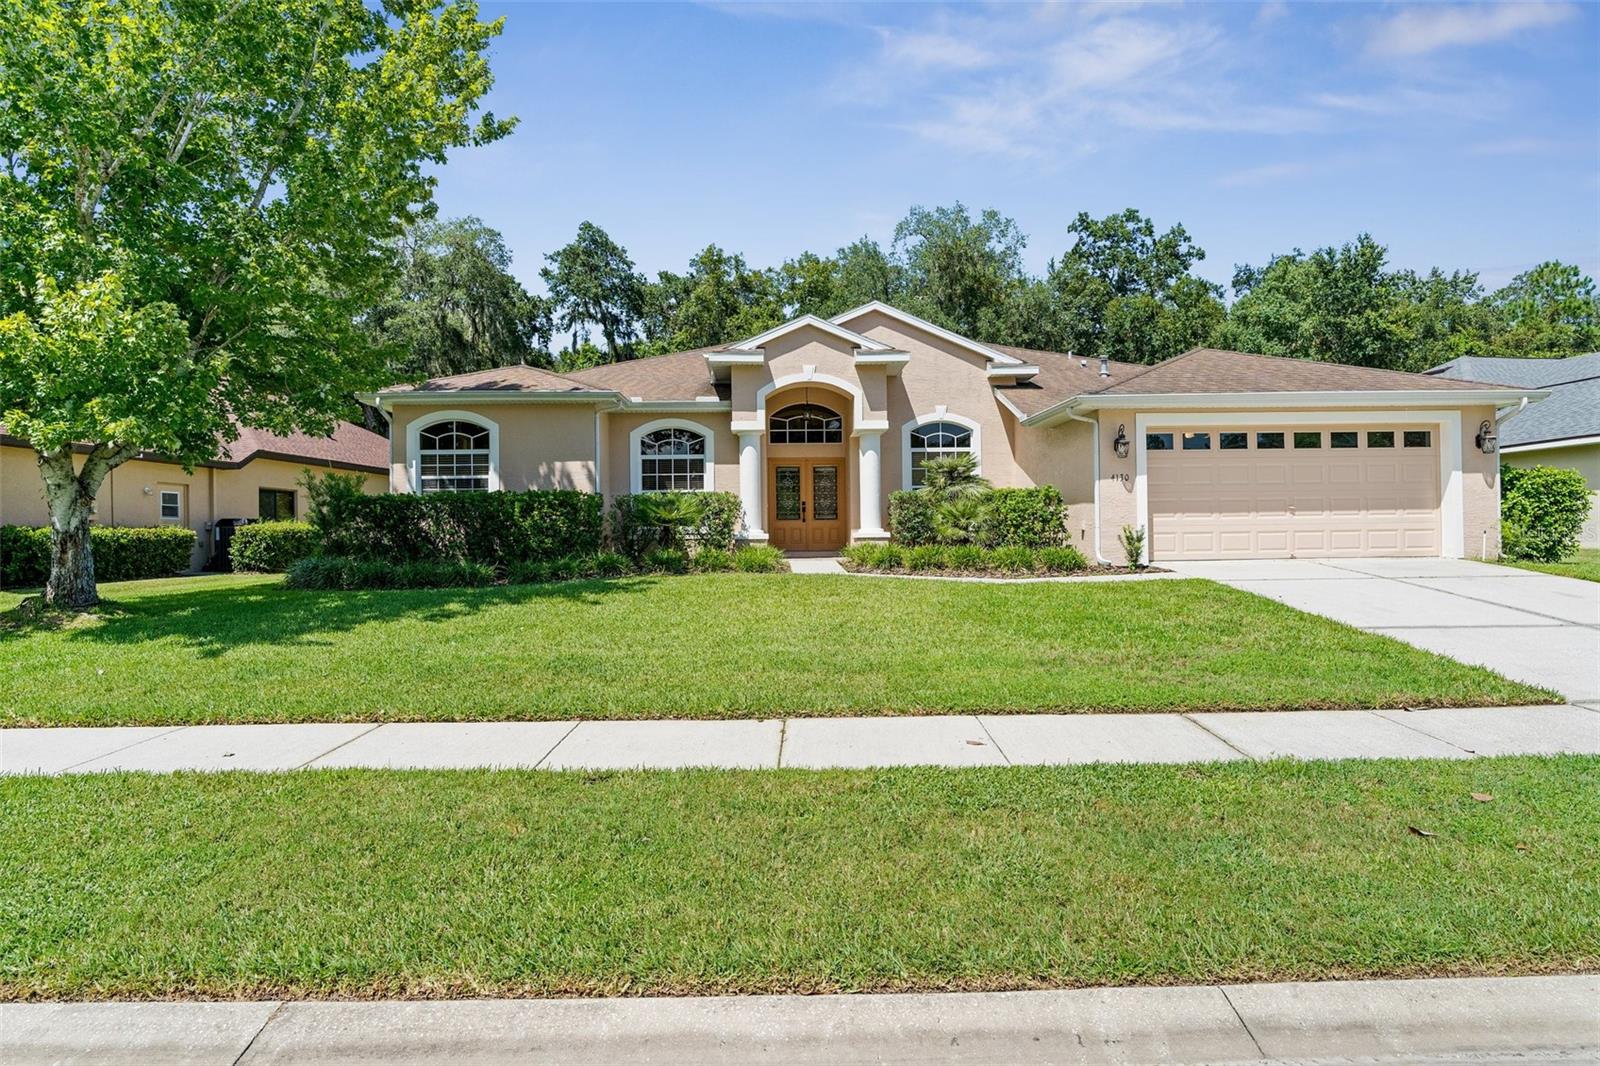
x: 1300, y: 502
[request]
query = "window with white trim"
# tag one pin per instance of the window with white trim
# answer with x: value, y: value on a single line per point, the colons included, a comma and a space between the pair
x: 453, y: 456
x: 672, y: 459
x: 935, y: 440
x: 806, y: 423
x: 171, y: 505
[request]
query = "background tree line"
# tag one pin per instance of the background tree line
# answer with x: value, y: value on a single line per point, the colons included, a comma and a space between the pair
x: 1120, y: 287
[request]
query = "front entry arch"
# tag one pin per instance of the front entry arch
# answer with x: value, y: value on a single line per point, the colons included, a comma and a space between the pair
x: 807, y: 474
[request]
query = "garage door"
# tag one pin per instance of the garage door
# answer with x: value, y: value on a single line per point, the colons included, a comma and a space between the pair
x: 1251, y: 493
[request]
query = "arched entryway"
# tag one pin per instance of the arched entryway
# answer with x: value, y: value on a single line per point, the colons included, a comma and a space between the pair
x: 807, y: 471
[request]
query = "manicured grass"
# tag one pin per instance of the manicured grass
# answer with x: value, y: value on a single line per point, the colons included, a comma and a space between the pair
x: 528, y: 883
x: 1585, y: 565
x: 238, y: 649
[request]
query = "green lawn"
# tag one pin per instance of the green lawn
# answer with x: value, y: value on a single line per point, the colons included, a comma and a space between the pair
x: 535, y: 883
x: 243, y: 649
x: 1585, y: 565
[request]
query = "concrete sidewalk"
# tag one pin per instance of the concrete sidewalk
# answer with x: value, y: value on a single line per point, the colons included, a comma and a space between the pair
x: 814, y: 743
x: 1527, y: 1019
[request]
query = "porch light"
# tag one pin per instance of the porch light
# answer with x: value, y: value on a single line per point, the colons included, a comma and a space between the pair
x: 1488, y: 443
x: 1119, y: 443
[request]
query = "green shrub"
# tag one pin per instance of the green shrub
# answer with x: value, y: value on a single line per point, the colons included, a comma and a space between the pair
x: 960, y: 519
x: 328, y: 495
x: 1027, y: 518
x: 1061, y: 560
x: 492, y: 528
x: 1542, y: 511
x: 967, y: 557
x: 611, y: 564
x: 860, y: 556
x: 121, y: 553
x: 1133, y: 545
x: 341, y: 573
x: 666, y: 560
x: 1011, y: 560
x: 713, y: 560
x: 925, y: 557
x: 272, y: 547
x: 570, y: 568
x: 528, y: 573
x: 759, y: 559
x: 681, y: 521
x: 912, y: 517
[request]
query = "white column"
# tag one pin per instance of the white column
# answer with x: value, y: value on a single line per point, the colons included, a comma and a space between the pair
x: 869, y: 469
x: 750, y: 483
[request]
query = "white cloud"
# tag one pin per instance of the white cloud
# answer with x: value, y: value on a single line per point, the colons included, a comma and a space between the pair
x: 933, y: 51
x: 1270, y: 174
x: 1270, y: 12
x: 1516, y: 146
x: 1421, y: 29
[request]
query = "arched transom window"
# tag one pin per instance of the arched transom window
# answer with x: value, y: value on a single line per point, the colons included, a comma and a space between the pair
x: 453, y: 457
x: 672, y: 460
x: 933, y: 440
x: 806, y: 423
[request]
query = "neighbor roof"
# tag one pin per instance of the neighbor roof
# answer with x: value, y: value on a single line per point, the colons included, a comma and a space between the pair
x: 1571, y: 411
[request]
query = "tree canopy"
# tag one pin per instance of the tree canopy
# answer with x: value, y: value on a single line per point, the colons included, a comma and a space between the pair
x: 194, y: 202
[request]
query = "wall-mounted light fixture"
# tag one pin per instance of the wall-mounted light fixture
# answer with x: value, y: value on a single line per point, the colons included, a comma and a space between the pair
x: 1119, y: 443
x: 1488, y: 443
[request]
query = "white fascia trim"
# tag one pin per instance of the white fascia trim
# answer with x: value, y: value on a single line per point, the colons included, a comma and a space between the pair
x: 1235, y: 401
x: 413, y: 445
x: 1022, y: 370
x: 735, y: 358
x: 938, y: 414
x: 636, y: 470
x: 1452, y: 514
x: 1005, y: 402
x: 1547, y: 445
x: 832, y: 328
x: 694, y: 406
x: 882, y: 358
x: 927, y: 327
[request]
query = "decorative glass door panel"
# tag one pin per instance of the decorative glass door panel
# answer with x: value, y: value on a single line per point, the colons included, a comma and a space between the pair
x: 825, y: 493
x: 786, y: 493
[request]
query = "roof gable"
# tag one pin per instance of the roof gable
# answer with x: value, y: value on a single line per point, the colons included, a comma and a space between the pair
x: 907, y: 318
x: 794, y: 325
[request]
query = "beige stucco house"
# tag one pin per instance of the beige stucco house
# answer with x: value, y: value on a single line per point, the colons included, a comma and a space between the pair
x: 814, y: 423
x: 256, y: 477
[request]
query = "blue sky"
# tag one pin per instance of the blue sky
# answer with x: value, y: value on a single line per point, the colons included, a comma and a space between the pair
x: 1462, y: 136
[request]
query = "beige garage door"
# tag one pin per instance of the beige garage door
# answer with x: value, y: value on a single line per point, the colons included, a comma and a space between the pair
x: 1252, y: 493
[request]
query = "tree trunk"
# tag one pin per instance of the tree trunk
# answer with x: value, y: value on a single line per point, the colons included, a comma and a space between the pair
x: 71, y: 581
x: 69, y: 493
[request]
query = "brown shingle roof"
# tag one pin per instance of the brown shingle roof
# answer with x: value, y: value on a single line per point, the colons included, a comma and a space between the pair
x: 1060, y: 377
x: 1214, y: 370
x: 516, y: 378
x: 350, y: 445
x: 677, y: 376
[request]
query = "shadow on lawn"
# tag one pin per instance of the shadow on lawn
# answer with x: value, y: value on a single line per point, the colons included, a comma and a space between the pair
x: 214, y: 620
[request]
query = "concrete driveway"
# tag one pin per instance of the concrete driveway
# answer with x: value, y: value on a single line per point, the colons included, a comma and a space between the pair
x: 1533, y: 627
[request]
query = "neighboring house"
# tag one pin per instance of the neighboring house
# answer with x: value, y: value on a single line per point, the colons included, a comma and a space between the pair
x: 1563, y: 430
x: 256, y: 477
x: 814, y: 424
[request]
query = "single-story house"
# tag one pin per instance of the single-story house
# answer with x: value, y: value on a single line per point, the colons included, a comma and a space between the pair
x: 814, y: 423
x: 1562, y: 431
x: 256, y: 477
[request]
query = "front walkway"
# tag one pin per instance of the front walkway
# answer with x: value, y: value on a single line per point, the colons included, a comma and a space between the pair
x: 1456, y: 1020
x: 814, y: 743
x: 1537, y: 628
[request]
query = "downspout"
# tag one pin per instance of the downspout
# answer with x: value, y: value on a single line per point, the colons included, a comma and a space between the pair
x: 1095, y: 422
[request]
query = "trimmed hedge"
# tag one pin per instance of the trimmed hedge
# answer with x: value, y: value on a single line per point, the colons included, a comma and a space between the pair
x: 342, y: 573
x: 1542, y: 511
x: 688, y: 522
x: 272, y: 547
x: 496, y: 529
x: 911, y: 517
x: 1010, y: 561
x: 1023, y: 518
x: 121, y: 553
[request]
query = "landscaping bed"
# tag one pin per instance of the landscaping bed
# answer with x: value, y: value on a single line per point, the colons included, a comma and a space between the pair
x: 529, y: 883
x: 247, y: 649
x: 967, y: 560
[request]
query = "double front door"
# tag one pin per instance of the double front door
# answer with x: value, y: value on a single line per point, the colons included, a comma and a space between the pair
x: 807, y: 510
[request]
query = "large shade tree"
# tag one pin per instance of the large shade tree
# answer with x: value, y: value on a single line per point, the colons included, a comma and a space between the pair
x: 194, y: 200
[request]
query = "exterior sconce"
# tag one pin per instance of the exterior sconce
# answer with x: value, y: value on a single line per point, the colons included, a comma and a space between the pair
x: 1488, y: 443
x: 1119, y: 443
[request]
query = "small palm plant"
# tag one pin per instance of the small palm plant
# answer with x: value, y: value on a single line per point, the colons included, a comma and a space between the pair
x: 951, y: 477
x: 1133, y: 545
